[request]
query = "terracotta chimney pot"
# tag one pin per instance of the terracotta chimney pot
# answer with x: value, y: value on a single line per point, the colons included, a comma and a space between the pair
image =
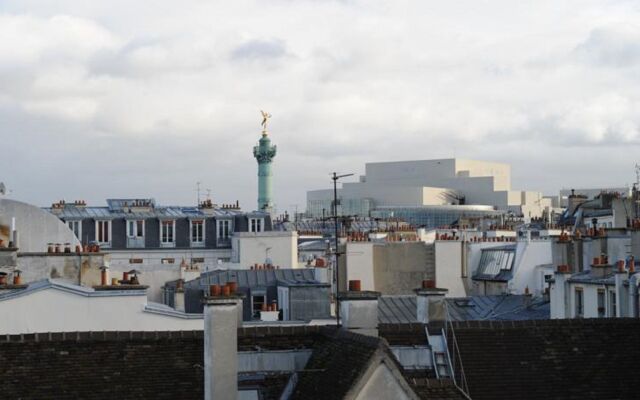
x: 355, y: 285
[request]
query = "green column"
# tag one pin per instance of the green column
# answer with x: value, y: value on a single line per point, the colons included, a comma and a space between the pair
x: 264, y: 153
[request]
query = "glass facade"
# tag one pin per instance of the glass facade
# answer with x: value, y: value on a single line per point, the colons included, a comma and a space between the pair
x: 435, y: 216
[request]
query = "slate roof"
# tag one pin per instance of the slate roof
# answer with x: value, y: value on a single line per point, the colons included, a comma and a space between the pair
x: 249, y: 278
x: 587, y: 277
x: 397, y: 309
x: 553, y: 359
x: 168, y: 365
x: 500, y: 307
x: 403, y: 309
x: 115, y: 209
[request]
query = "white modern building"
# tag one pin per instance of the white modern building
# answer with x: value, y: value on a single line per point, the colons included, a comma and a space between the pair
x: 431, y: 185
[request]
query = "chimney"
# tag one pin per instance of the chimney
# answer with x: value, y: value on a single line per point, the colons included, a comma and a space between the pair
x: 430, y: 302
x: 221, y: 347
x: 104, y: 275
x: 527, y: 297
x: 600, y: 268
x: 178, y: 299
x: 359, y: 310
x: 622, y: 294
x: 558, y: 295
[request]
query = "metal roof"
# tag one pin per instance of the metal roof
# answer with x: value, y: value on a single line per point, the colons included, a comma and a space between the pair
x: 403, y: 309
x: 116, y: 210
x: 249, y: 278
x: 397, y: 309
x: 587, y: 277
x: 507, y: 307
x: 69, y: 288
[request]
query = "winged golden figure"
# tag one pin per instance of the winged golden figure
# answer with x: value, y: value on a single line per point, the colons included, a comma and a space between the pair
x: 265, y: 118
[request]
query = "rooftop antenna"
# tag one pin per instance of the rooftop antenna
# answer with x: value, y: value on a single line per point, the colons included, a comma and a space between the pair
x: 198, y: 191
x: 208, y: 194
x: 3, y: 189
x: 637, y: 175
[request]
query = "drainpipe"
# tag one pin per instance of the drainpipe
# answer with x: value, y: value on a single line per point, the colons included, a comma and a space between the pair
x: 634, y: 282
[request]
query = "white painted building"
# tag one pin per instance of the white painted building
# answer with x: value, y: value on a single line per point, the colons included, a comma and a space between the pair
x: 276, y: 248
x: 603, y: 291
x: 426, y: 183
x: 55, y: 306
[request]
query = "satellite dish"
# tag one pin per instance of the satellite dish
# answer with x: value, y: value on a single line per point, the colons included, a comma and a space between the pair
x: 3, y: 188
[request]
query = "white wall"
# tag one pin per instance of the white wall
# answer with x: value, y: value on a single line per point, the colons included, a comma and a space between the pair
x: 249, y: 248
x: 533, y: 259
x: 36, y: 227
x: 360, y: 263
x: 449, y: 267
x: 54, y: 310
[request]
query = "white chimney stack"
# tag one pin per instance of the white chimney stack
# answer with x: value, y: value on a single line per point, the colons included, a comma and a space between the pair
x: 221, y: 347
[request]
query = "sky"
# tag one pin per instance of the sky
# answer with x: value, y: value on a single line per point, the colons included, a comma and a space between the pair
x: 145, y: 98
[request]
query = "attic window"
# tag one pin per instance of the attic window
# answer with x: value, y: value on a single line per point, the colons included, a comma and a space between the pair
x: 492, y: 262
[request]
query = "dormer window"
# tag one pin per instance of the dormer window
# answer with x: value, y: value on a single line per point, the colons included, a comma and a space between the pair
x: 167, y: 233
x: 197, y: 232
x: 256, y: 224
x: 76, y: 227
x: 103, y: 232
x: 135, y: 229
x: 135, y: 233
x: 224, y: 229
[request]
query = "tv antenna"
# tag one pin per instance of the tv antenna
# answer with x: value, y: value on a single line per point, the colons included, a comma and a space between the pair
x: 3, y: 189
x: 637, y: 175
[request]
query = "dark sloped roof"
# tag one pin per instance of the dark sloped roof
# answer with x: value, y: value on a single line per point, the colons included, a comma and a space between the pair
x: 397, y: 309
x: 553, y: 359
x: 499, y: 307
x: 439, y: 389
x: 169, y: 365
x: 250, y: 278
x: 335, y: 366
x: 403, y: 309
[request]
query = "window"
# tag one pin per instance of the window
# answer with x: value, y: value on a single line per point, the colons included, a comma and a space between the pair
x: 168, y: 261
x: 197, y: 260
x: 135, y: 261
x: 76, y: 227
x: 103, y: 232
x: 135, y: 229
x: 258, y: 301
x: 255, y: 224
x: 167, y: 229
x: 612, y: 304
x: 602, y: 311
x: 579, y: 303
x: 493, y: 262
x: 224, y: 230
x: 197, y: 231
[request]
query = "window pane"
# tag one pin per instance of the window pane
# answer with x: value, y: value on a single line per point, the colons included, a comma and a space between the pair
x: 139, y: 228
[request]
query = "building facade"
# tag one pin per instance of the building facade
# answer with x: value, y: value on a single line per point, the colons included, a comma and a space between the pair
x: 421, y: 187
x: 137, y: 231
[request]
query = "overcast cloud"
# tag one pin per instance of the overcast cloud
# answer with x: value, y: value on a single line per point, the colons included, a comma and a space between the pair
x: 120, y: 98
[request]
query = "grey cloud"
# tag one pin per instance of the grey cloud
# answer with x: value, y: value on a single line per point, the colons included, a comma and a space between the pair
x: 260, y: 50
x: 612, y: 47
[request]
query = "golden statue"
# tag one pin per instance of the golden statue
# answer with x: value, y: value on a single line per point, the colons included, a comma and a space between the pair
x: 265, y: 118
